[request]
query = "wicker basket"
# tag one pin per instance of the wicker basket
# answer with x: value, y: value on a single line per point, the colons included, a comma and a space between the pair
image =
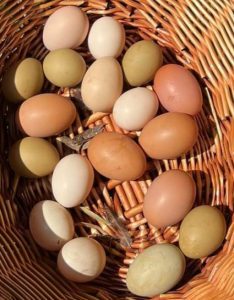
x: 196, y: 33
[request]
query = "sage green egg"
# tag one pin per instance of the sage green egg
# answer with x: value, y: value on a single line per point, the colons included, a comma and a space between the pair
x: 23, y: 80
x: 64, y: 67
x: 141, y: 61
x: 156, y: 270
x: 33, y: 157
x: 202, y: 231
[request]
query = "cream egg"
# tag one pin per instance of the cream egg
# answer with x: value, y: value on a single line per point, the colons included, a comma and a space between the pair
x: 135, y: 108
x: 72, y: 180
x: 51, y: 225
x: 106, y: 38
x: 81, y: 259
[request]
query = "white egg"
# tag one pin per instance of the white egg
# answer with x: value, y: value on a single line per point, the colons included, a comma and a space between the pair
x: 106, y: 38
x: 81, y: 259
x: 135, y: 108
x: 51, y: 225
x: 72, y: 180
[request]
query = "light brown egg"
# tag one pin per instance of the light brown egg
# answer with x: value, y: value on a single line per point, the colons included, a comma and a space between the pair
x: 33, y: 157
x: 51, y: 225
x: 169, y: 135
x: 81, y: 259
x: 156, y: 270
x: 45, y: 115
x: 102, y: 84
x: 64, y: 67
x: 23, y: 80
x: 116, y: 156
x: 202, y: 231
x: 173, y: 193
x: 178, y: 90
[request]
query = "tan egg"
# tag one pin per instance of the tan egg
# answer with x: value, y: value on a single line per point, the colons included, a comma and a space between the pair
x: 51, y: 225
x: 141, y: 61
x: 81, y: 260
x: 67, y: 27
x: 156, y: 270
x: 102, y: 84
x: 169, y: 135
x: 116, y: 156
x: 23, y: 80
x: 33, y: 157
x: 45, y: 115
x: 202, y: 231
x: 172, y: 192
x: 64, y: 67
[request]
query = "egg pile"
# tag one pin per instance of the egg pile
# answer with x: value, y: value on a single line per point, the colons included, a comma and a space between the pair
x: 117, y: 86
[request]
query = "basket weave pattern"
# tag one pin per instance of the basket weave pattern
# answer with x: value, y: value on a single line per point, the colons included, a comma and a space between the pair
x: 197, y: 33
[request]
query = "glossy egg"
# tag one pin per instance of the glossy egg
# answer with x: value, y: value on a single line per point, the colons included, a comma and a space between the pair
x: 102, y: 84
x: 156, y: 270
x: 169, y: 135
x: 141, y: 61
x: 178, y: 90
x: 81, y: 259
x: 33, y: 157
x: 135, y: 108
x: 51, y: 225
x: 106, y: 38
x: 173, y: 193
x: 67, y: 27
x: 116, y: 156
x: 64, y: 67
x: 202, y: 231
x: 72, y: 180
x: 23, y: 80
x: 45, y: 115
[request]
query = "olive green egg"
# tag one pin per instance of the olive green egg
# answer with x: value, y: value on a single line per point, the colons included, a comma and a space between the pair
x: 141, y: 61
x: 23, y: 80
x: 33, y: 157
x: 202, y: 231
x: 64, y: 67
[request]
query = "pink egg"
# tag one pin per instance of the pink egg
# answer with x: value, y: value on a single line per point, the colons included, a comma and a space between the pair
x: 178, y: 90
x: 67, y: 27
x: 169, y: 198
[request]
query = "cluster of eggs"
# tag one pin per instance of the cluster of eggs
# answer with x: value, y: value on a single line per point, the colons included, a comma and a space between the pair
x: 116, y: 156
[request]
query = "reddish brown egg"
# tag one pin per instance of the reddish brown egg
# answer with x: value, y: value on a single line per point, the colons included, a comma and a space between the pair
x: 116, y: 156
x: 45, y: 115
x: 169, y: 135
x: 178, y: 90
x: 169, y: 198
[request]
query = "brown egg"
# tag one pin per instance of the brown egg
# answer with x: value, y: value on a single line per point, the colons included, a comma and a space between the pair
x: 173, y: 193
x: 178, y: 90
x: 202, y: 231
x: 169, y: 135
x: 45, y: 115
x: 116, y: 156
x: 33, y: 157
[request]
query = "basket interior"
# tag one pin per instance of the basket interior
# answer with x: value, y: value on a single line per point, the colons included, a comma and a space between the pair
x: 27, y: 271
